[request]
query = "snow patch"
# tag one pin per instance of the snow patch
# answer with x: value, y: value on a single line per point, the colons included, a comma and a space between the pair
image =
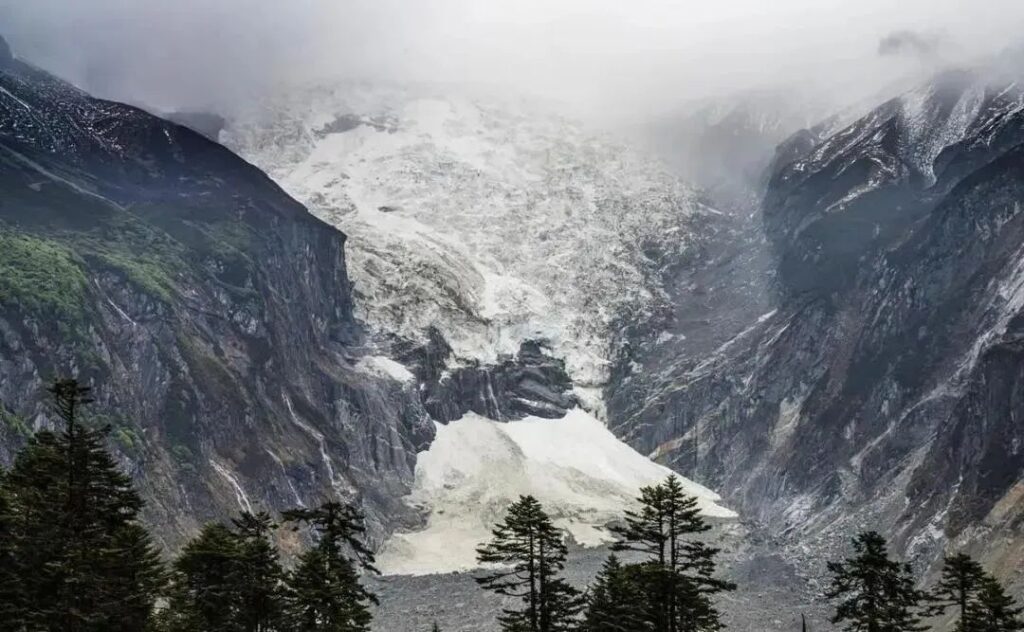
x: 582, y: 474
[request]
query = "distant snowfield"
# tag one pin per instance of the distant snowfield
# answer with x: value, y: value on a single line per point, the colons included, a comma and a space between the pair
x: 582, y: 474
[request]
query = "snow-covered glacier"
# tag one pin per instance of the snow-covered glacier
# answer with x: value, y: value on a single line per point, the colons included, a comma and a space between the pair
x: 491, y: 223
x: 494, y: 222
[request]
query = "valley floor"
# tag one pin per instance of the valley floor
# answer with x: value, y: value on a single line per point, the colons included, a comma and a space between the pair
x: 773, y: 591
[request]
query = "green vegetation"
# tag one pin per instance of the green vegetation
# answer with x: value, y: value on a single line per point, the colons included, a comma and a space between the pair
x: 148, y: 275
x: 14, y: 423
x: 146, y: 257
x: 42, y: 278
x: 183, y: 456
x: 208, y: 368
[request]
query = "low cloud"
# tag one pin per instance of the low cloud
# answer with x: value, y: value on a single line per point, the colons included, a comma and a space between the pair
x: 906, y: 42
x: 598, y: 55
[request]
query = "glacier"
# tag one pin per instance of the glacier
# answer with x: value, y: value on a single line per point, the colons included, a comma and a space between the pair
x: 493, y: 222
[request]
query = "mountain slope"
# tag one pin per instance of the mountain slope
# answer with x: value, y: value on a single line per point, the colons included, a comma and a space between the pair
x: 881, y: 389
x: 209, y: 311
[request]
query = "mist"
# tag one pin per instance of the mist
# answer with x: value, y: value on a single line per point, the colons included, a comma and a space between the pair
x: 600, y: 57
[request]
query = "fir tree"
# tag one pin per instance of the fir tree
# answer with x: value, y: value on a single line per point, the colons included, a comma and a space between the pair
x: 617, y: 600
x: 959, y: 587
x: 228, y: 579
x: 531, y: 554
x: 11, y: 615
x: 324, y: 592
x: 135, y: 572
x: 999, y: 611
x: 258, y: 576
x: 981, y: 603
x: 82, y: 561
x: 203, y: 596
x: 874, y: 593
x: 680, y: 569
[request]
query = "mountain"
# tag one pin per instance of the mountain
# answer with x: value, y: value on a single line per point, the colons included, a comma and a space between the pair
x: 239, y: 367
x: 209, y: 312
x: 881, y: 388
x: 501, y: 254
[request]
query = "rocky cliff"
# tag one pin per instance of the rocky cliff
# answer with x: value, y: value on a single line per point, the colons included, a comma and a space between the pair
x: 210, y: 313
x: 879, y: 386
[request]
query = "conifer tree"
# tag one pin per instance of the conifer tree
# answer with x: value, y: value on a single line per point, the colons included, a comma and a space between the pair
x: 136, y: 572
x: 324, y: 592
x: 959, y: 587
x: 82, y: 560
x: 531, y: 554
x: 228, y: 579
x: 203, y: 595
x: 617, y: 601
x: 999, y: 611
x: 874, y: 593
x: 981, y: 603
x: 10, y: 591
x: 680, y: 569
x: 259, y: 576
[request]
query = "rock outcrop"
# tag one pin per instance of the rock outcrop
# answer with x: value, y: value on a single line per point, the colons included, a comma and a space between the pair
x: 209, y: 312
x: 881, y: 387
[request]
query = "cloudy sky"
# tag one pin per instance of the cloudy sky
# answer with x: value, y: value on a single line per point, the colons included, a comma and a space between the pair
x: 638, y: 54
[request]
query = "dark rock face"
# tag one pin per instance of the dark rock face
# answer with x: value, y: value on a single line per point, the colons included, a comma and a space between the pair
x: 209, y: 311
x: 531, y: 383
x: 6, y: 57
x: 883, y: 388
x: 206, y: 123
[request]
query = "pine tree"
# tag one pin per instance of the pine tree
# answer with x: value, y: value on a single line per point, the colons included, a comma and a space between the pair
x: 203, y: 595
x: 11, y: 614
x: 259, y: 576
x: 82, y: 560
x: 999, y: 611
x: 981, y: 603
x: 324, y: 592
x: 617, y: 600
x: 680, y: 569
x: 875, y: 594
x: 135, y: 571
x: 531, y: 554
x: 961, y: 582
x: 228, y: 579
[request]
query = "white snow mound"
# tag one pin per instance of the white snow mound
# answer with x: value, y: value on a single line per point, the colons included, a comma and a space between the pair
x: 582, y: 474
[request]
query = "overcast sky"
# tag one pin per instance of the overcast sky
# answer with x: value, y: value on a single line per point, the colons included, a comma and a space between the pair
x: 645, y: 54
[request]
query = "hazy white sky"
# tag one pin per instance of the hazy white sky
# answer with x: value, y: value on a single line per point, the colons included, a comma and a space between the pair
x: 596, y: 53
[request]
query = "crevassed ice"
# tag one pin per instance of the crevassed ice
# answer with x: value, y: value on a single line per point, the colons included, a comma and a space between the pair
x: 493, y: 222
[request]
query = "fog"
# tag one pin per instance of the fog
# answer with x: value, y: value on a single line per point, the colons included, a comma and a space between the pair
x: 602, y: 57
